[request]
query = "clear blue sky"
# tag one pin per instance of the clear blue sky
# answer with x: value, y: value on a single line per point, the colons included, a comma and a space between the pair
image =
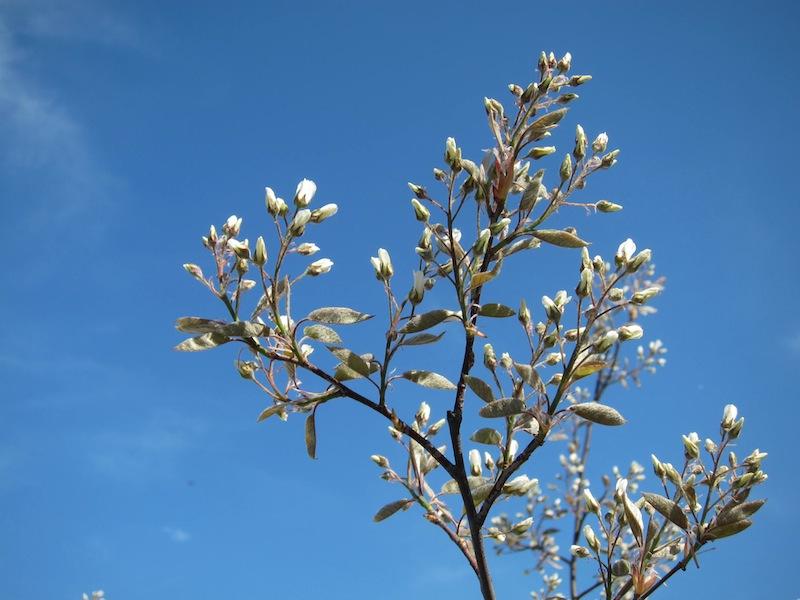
x: 126, y: 128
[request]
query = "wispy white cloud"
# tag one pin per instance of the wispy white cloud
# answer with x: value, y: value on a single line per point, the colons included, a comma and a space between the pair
x: 177, y: 535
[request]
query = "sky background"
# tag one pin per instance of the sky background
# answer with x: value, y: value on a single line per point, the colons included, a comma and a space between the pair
x: 126, y: 128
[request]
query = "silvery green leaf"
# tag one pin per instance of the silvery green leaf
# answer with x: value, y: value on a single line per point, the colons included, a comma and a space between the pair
x: 203, y: 342
x: 480, y: 488
x: 496, y: 310
x: 351, y: 360
x: 198, y: 325
x: 311, y: 435
x: 728, y: 530
x: 429, y: 379
x: 480, y: 388
x: 734, y: 511
x: 588, y: 367
x: 559, y: 237
x: 337, y: 315
x: 595, y: 412
x: 235, y: 329
x: 270, y: 411
x: 487, y: 435
x: 425, y: 320
x: 668, y: 509
x: 388, y: 510
x: 505, y: 407
x: 422, y: 338
x: 450, y: 487
x: 323, y: 334
x: 529, y: 375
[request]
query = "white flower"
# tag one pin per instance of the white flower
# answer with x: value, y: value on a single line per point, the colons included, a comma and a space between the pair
x: 232, y: 226
x: 475, y: 462
x: 307, y: 249
x: 299, y: 222
x: 729, y: 416
x: 417, y: 288
x: 382, y: 265
x: 512, y: 449
x: 600, y: 143
x: 304, y: 193
x: 625, y: 251
x: 318, y: 267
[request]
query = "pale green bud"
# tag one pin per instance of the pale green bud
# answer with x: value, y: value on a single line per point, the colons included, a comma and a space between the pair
x: 271, y: 201
x: 658, y: 467
x: 194, y: 270
x: 240, y: 249
x: 552, y: 311
x: 691, y: 445
x: 496, y: 228
x: 577, y: 80
x: 522, y: 526
x: 580, y: 143
x: 434, y: 429
x: 318, y: 267
x: 439, y: 175
x: 541, y: 152
x: 585, y: 283
x: 452, y: 154
x: 610, y: 159
x: 515, y: 89
x: 736, y: 429
x: 646, y: 294
x: 488, y: 461
x: 506, y: 360
x: 604, y: 206
x: 579, y: 551
x: 591, y: 538
x: 625, y: 252
x: 565, y: 63
x: 604, y: 343
x: 212, y: 235
x: 489, y: 357
x: 482, y: 243
x: 260, y: 253
x: 710, y: 446
x: 630, y: 332
x: 418, y: 190
x: 523, y: 314
x: 298, y: 225
x: 592, y: 505
x: 423, y: 414
x: 232, y: 226
x: 420, y: 212
x: 381, y: 461
x: 566, y: 168
x: 640, y: 259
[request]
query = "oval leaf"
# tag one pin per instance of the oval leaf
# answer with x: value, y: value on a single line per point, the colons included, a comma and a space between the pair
x: 733, y: 512
x: 203, y: 342
x: 529, y: 375
x: 559, y: 237
x: 425, y: 320
x: 235, y: 329
x: 728, y: 530
x: 450, y: 487
x: 487, y: 435
x: 429, y: 379
x: 351, y: 360
x: 480, y: 388
x: 270, y: 411
x: 387, y: 511
x: 311, y: 436
x: 587, y: 368
x: 337, y: 315
x: 505, y: 407
x: 601, y: 414
x: 496, y: 310
x: 668, y: 508
x: 422, y: 338
x: 322, y: 333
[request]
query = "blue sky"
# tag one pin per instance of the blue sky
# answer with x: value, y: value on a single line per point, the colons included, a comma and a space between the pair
x: 127, y: 128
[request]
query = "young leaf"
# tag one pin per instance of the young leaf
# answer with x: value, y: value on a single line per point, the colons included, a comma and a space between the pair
x: 733, y: 511
x: 450, y: 487
x: 487, y: 435
x: 203, y: 342
x: 505, y: 407
x: 337, y: 315
x: 323, y: 334
x: 529, y: 375
x: 730, y: 529
x: 270, y: 411
x: 388, y: 510
x: 235, y: 329
x: 496, y: 310
x: 595, y: 412
x: 422, y: 338
x: 351, y: 360
x: 311, y: 435
x: 586, y: 368
x: 426, y: 320
x: 480, y: 388
x: 668, y: 508
x: 429, y: 379
x: 558, y: 237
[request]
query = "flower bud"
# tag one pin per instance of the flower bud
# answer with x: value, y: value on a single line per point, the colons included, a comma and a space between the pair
x: 580, y: 143
x: 488, y: 461
x: 318, y: 267
x: 729, y: 416
x: 630, y: 332
x: 579, y: 551
x: 506, y: 361
x: 577, y: 80
x: 585, y: 283
x: 382, y: 265
x: 541, y: 152
x: 452, y: 154
x: 212, y: 236
x: 434, y: 429
x: 489, y: 357
x: 553, y: 312
x: 232, y: 226
x: 304, y: 193
x: 658, y: 468
x: 419, y: 191
x: 324, y: 212
x: 592, y: 505
x: 240, y: 249
x: 524, y: 315
x: 691, y: 448
x: 417, y: 288
x: 565, y: 63
x: 604, y: 343
x: 600, y: 143
x: 566, y: 168
x: 260, y: 253
x: 307, y: 249
x: 420, y: 212
x: 381, y: 461
x: 194, y: 271
x: 423, y: 414
x: 710, y: 446
x: 482, y: 243
x: 610, y: 159
x: 476, y: 468
x: 736, y: 428
x: 515, y: 89
x: 646, y: 294
x: 591, y: 538
x: 522, y: 526
x: 301, y: 219
x: 625, y: 252
x: 273, y: 207
x: 640, y: 259
x: 604, y: 206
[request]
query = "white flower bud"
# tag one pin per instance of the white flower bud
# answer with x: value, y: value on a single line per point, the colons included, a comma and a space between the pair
x: 630, y: 332
x: 318, y: 267
x: 553, y: 312
x: 260, y: 254
x: 423, y: 414
x: 240, y: 249
x: 488, y: 461
x: 271, y: 200
x: 381, y: 461
x: 579, y: 551
x: 729, y: 416
x: 691, y: 445
x: 592, y: 505
x: 232, y: 226
x: 604, y: 343
x: 301, y: 219
x: 522, y: 526
x: 323, y: 212
x: 420, y: 212
x: 591, y: 538
x: 600, y: 143
x: 307, y: 249
x: 417, y: 288
x: 382, y: 265
x: 643, y: 257
x: 304, y: 193
x: 513, y: 446
x: 625, y: 252
x: 475, y: 462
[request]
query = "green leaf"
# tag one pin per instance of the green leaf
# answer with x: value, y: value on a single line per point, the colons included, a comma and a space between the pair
x: 480, y: 388
x: 311, y: 435
x: 429, y: 379
x: 668, y: 509
x: 549, y: 119
x: 496, y: 310
x: 351, y: 360
x: 388, y: 510
x: 422, y: 338
x: 727, y: 530
x: 426, y: 320
x: 587, y: 368
x: 322, y: 333
x: 734, y: 511
x: 505, y: 407
x: 337, y: 315
x: 270, y: 411
x: 450, y: 487
x: 529, y: 375
x: 559, y: 237
x: 480, y: 487
x: 601, y: 414
x: 235, y: 329
x: 487, y: 435
x: 203, y: 342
